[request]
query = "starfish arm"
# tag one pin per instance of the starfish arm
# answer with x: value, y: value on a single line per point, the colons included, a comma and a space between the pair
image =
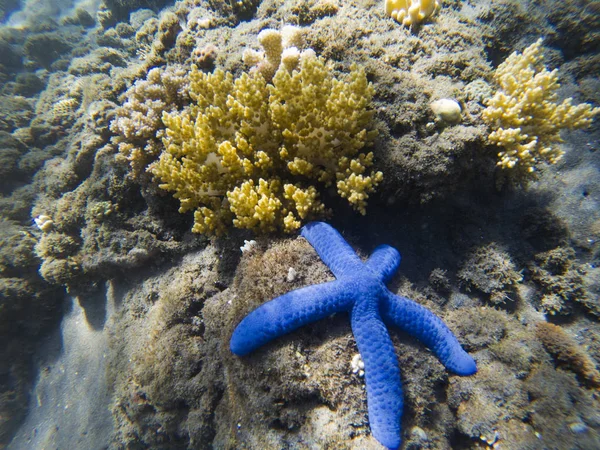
x: 384, y: 262
x: 332, y: 248
x: 288, y: 312
x: 418, y: 321
x: 382, y: 374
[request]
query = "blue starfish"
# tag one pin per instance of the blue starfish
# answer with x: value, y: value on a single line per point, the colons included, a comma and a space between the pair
x: 359, y: 289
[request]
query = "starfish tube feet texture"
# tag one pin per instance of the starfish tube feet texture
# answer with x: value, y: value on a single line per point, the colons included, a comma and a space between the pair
x: 332, y: 248
x: 382, y: 374
x: 289, y: 312
x: 384, y: 261
x: 360, y: 290
x: 421, y: 323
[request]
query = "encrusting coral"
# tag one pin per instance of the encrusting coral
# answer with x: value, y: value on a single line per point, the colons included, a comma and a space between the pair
x: 250, y: 151
x: 560, y: 281
x: 524, y: 114
x: 567, y: 352
x: 490, y: 270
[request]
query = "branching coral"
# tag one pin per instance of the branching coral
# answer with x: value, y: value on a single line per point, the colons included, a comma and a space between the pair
x: 525, y: 116
x: 250, y: 151
x: 411, y: 12
x: 279, y: 48
x: 138, y: 124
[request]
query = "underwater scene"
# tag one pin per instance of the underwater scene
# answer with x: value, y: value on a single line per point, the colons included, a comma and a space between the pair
x: 312, y: 224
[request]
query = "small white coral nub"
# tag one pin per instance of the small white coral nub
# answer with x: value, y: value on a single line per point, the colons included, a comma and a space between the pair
x: 280, y: 48
x: 291, y: 36
x: 358, y: 366
x: 447, y: 110
x: 248, y: 246
x: 290, y: 58
x: 270, y: 41
x: 291, y: 275
x: 44, y: 222
x: 411, y: 12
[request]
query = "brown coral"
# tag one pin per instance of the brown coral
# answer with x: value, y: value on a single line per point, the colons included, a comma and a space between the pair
x: 138, y: 123
x: 560, y: 278
x: 490, y: 270
x: 567, y: 353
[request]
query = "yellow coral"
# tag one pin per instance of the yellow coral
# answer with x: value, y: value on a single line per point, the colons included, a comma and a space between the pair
x: 255, y: 206
x: 524, y: 115
x: 353, y: 185
x: 249, y: 152
x: 411, y: 12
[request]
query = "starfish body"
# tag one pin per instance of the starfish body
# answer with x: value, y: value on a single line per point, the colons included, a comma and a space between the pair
x: 360, y: 290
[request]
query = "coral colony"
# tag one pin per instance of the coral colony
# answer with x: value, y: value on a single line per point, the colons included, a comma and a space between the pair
x: 255, y: 151
x: 411, y: 12
x: 239, y: 150
x: 359, y: 289
x: 524, y: 115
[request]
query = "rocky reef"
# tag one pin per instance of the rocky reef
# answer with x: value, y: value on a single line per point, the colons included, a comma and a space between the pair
x: 93, y: 97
